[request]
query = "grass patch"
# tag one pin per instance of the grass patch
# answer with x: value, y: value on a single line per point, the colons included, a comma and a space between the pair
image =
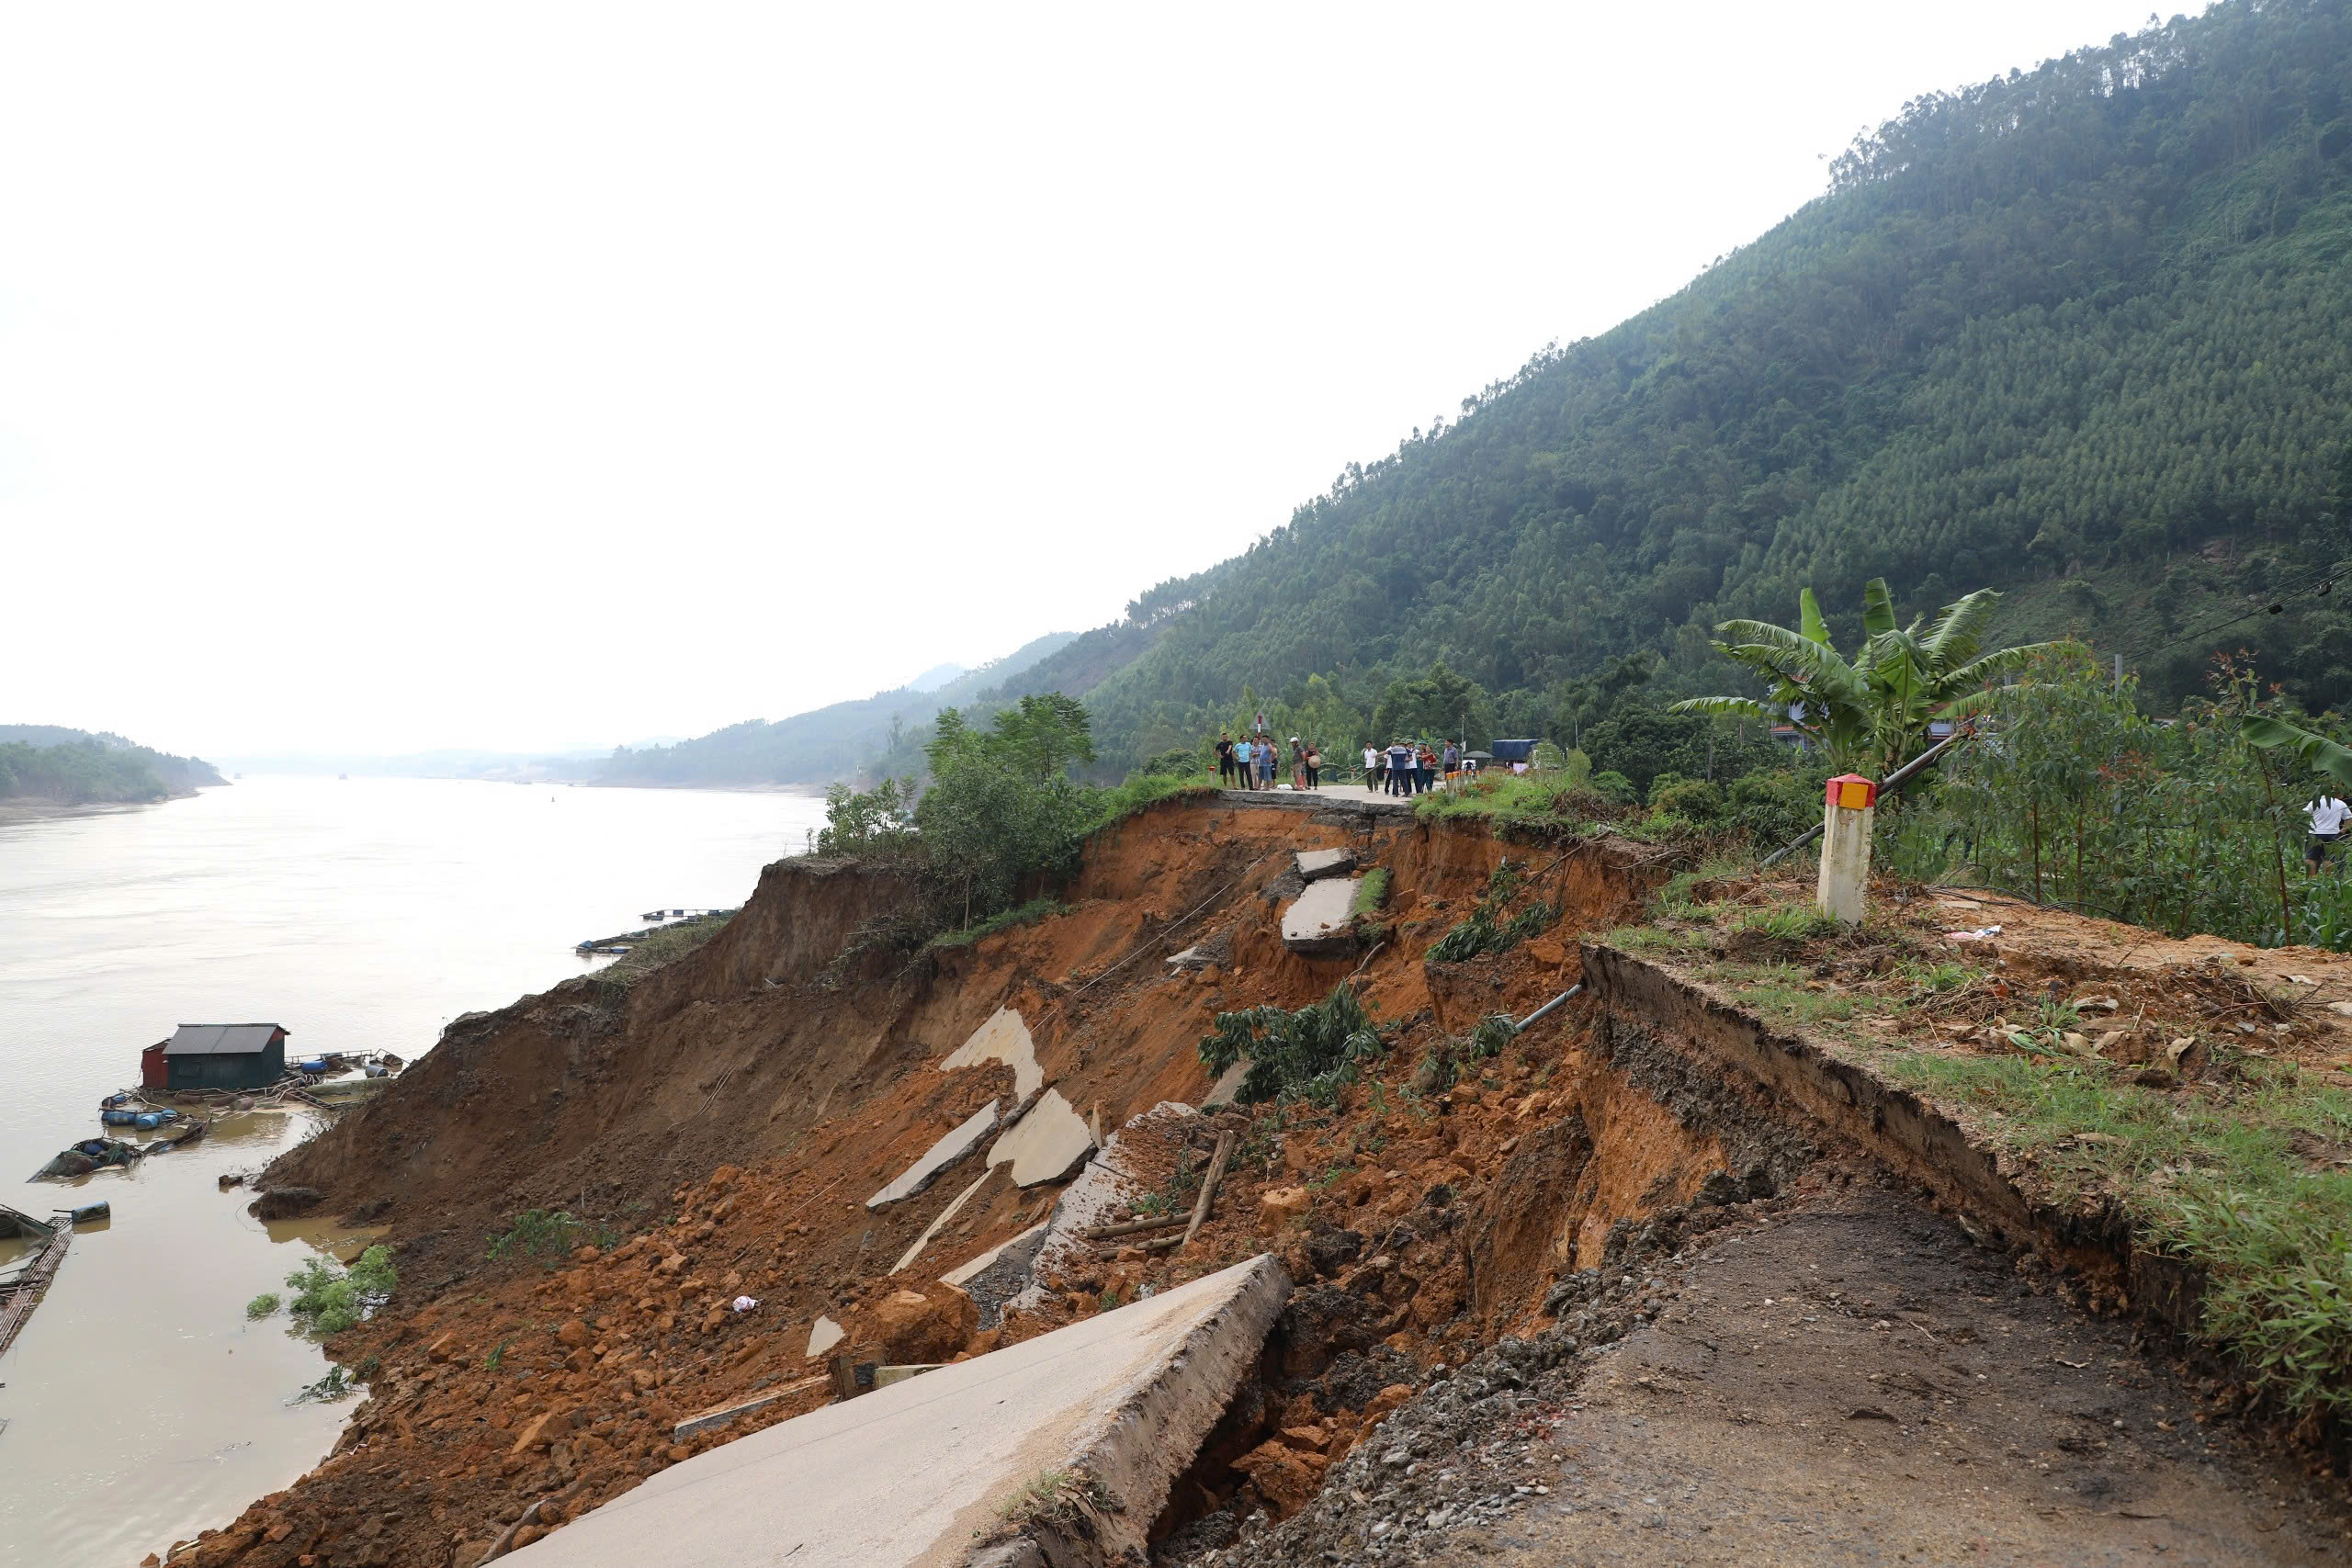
x: 669, y: 942
x: 1051, y: 1497
x: 1371, y: 894
x: 536, y: 1233
x: 1003, y: 921
x: 2219, y: 1181
x: 261, y: 1305
x: 1107, y: 807
x: 1545, y: 803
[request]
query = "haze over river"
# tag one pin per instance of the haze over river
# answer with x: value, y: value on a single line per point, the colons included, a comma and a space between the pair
x: 139, y: 1405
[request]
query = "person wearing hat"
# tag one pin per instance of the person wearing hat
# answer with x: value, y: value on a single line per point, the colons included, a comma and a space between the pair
x: 1400, y: 767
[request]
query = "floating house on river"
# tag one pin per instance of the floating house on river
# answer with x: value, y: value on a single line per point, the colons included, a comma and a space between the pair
x: 215, y: 1056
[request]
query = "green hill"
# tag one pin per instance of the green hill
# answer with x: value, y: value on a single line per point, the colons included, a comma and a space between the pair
x: 47, y: 761
x: 820, y: 746
x: 2078, y: 333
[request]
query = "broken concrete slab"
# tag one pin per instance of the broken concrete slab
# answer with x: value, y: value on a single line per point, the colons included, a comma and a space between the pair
x: 823, y: 1335
x: 1192, y: 957
x: 1046, y: 1145
x: 949, y: 1212
x: 885, y: 1376
x: 915, y: 1472
x: 1314, y: 865
x: 950, y: 1148
x: 1319, y: 923
x: 1100, y: 1188
x: 710, y: 1420
x: 965, y: 1271
x: 1227, y: 1085
x: 1003, y: 1038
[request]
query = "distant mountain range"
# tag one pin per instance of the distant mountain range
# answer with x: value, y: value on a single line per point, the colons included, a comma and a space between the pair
x: 75, y: 767
x: 557, y: 766
x: 829, y: 743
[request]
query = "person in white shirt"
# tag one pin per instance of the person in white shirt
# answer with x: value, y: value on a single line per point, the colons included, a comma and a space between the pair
x: 1372, y: 764
x: 2328, y: 814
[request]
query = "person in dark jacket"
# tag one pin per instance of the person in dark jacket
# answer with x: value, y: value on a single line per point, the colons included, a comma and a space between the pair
x: 1225, y: 760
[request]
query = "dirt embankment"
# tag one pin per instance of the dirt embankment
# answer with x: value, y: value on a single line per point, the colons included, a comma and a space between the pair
x: 496, y: 1383
x: 719, y: 1128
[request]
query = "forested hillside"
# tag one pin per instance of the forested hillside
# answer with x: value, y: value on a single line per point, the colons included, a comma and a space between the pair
x: 2079, y: 333
x: 47, y: 761
x: 821, y: 746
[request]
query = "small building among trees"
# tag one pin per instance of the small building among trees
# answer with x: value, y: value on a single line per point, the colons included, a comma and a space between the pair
x: 215, y: 1056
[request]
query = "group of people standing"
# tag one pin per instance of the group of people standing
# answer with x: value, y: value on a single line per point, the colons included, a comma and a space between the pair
x: 1402, y: 768
x: 1405, y: 768
x: 1250, y: 761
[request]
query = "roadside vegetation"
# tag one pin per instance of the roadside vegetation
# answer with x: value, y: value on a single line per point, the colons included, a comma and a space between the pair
x: 998, y: 827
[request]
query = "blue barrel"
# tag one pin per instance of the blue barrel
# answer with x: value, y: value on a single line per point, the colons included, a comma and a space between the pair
x: 89, y: 1211
x: 148, y: 1119
x: 120, y: 1118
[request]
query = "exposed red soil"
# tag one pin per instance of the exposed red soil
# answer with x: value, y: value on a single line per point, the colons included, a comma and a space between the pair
x: 730, y: 1115
x: 731, y: 1112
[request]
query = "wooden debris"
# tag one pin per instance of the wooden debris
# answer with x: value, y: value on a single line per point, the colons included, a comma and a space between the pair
x: 1104, y: 1233
x: 1208, y: 1186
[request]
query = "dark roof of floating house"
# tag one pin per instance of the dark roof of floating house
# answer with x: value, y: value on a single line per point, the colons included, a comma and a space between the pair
x: 220, y: 1039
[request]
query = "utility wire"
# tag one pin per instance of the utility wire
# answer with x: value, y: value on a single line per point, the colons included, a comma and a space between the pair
x: 2315, y: 585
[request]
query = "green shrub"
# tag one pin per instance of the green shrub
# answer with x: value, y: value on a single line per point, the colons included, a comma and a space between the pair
x: 1182, y: 762
x: 1615, y: 788
x: 1774, y: 807
x: 1694, y: 800
x: 329, y: 1298
x: 1487, y: 929
x: 261, y: 1305
x: 1308, y: 1055
x: 333, y: 1386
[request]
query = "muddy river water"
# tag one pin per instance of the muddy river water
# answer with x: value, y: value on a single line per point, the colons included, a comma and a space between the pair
x: 140, y: 1404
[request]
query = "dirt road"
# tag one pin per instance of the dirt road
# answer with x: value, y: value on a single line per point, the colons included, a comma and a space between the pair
x: 1849, y: 1381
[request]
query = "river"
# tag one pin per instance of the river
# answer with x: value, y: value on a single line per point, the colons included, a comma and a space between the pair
x: 139, y: 1405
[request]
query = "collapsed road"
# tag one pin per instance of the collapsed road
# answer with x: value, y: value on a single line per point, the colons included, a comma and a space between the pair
x: 1652, y: 1277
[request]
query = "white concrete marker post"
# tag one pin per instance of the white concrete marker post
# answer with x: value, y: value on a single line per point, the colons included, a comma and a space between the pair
x: 1846, y: 847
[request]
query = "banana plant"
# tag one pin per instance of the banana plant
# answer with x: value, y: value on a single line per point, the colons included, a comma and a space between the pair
x: 1871, y: 712
x: 2314, y: 751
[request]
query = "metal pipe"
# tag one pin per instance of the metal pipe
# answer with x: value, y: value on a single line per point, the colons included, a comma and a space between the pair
x: 1895, y: 780
x: 1547, y: 1007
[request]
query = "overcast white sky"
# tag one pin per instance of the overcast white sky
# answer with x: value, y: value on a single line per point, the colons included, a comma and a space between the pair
x: 513, y: 375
